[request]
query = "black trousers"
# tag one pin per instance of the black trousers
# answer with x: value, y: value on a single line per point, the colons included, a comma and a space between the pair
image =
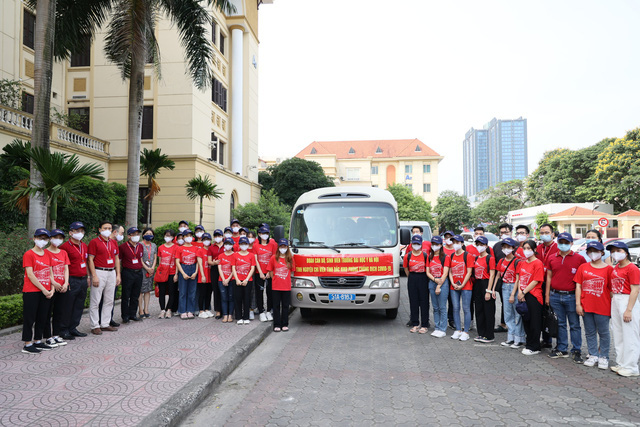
x: 533, y: 326
x: 167, y: 289
x: 242, y: 297
x: 450, y: 309
x: 217, y: 298
x: 485, y: 310
x: 281, y: 302
x: 59, y: 305
x: 499, y: 292
x: 269, y: 289
x: 35, y: 314
x: 176, y: 298
x: 76, y: 295
x: 259, y: 287
x: 204, y: 291
x: 546, y: 338
x: 131, y: 286
x: 418, y: 287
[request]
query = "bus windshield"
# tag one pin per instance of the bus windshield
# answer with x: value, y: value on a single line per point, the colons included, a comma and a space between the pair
x: 344, y: 223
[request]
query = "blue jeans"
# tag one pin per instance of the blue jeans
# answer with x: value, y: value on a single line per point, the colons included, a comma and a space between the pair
x: 187, y: 290
x: 226, y: 295
x: 597, y: 325
x: 439, y: 303
x: 465, y: 296
x: 565, y: 308
x: 513, y: 320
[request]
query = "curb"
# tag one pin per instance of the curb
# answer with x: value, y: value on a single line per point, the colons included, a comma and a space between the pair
x: 185, y: 400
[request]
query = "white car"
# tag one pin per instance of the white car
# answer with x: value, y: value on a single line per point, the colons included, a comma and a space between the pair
x: 426, y: 235
x: 469, y: 239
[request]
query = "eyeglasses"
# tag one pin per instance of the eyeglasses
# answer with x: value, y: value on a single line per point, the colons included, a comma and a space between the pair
x: 521, y: 233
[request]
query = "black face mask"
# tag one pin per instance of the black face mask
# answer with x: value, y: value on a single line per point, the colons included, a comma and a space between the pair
x: 148, y: 237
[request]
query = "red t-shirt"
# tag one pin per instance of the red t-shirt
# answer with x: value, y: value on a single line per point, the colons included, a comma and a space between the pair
x: 480, y: 267
x: 563, y: 270
x: 436, y: 267
x: 281, y: 273
x: 187, y: 255
x: 131, y: 255
x: 529, y: 272
x: 167, y: 258
x: 104, y: 252
x: 214, y: 251
x: 203, y: 253
x: 264, y: 253
x: 474, y: 251
x: 426, y: 246
x: 623, y: 277
x: 243, y: 265
x: 77, y: 258
x: 459, y: 269
x: 508, y: 276
x: 197, y: 244
x: 596, y: 288
x: 543, y: 252
x: 226, y: 262
x: 58, y: 262
x: 416, y: 264
x: 448, y: 251
x: 40, y: 265
x: 520, y: 254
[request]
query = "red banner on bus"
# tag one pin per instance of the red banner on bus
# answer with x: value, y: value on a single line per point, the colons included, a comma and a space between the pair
x: 344, y: 265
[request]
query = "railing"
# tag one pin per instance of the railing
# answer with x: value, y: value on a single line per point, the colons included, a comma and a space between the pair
x: 77, y: 138
x: 16, y: 118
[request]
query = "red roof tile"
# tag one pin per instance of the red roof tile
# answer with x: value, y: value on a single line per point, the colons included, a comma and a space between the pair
x: 578, y: 211
x: 630, y: 212
x: 375, y: 148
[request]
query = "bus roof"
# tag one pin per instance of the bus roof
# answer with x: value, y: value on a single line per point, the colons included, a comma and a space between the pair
x: 349, y: 194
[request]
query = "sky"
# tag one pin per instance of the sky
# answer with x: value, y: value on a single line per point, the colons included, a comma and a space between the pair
x: 400, y: 69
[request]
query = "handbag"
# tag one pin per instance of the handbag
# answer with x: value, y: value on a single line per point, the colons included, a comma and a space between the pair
x: 523, y: 310
x: 157, y: 290
x: 162, y: 274
x: 550, y: 322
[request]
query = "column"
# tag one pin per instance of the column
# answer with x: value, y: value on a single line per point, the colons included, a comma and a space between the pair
x: 237, y: 83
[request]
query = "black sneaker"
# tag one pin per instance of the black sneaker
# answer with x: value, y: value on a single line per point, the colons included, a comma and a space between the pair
x: 114, y: 324
x: 557, y: 354
x: 409, y: 323
x: 60, y: 341
x: 68, y: 337
x: 485, y: 340
x: 42, y: 346
x: 77, y: 333
x: 500, y: 328
x: 52, y: 343
x: 506, y: 343
x: 30, y: 349
x: 577, y: 357
x: 546, y: 345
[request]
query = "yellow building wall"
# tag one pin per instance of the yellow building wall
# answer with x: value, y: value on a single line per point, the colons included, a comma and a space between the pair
x: 625, y: 226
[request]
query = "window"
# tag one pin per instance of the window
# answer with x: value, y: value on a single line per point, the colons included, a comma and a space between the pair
x: 219, y: 94
x: 378, y: 150
x: 374, y: 170
x: 147, y: 122
x: 82, y: 58
x: 214, y: 147
x: 409, y: 186
x: 635, y: 232
x: 221, y: 146
x: 314, y: 151
x: 408, y: 168
x: 353, y: 174
x: 213, y: 31
x: 28, y: 29
x: 352, y: 151
x: 27, y: 103
x: 426, y: 168
x: 232, y: 204
x: 83, y: 123
x: 581, y: 230
x: 418, y: 149
x: 426, y: 188
x: 222, y: 43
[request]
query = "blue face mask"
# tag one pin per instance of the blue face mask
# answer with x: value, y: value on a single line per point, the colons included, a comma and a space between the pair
x: 591, y: 240
x: 546, y: 238
x: 564, y: 247
x: 148, y: 237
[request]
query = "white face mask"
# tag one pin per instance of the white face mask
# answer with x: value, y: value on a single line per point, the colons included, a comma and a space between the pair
x: 457, y: 246
x: 188, y: 239
x: 436, y: 247
x: 206, y: 242
x: 120, y: 238
x: 78, y: 236
x: 199, y: 234
x: 57, y: 242
x: 105, y: 233
x: 528, y: 253
x: 417, y: 234
x: 135, y: 239
x: 228, y: 247
x: 235, y: 229
x: 227, y: 235
x: 416, y: 247
x: 521, y: 238
x: 168, y: 239
x: 251, y: 239
x: 264, y: 236
x: 619, y: 256
x: 181, y: 241
x: 244, y: 247
x: 595, y: 256
x: 182, y: 229
x: 283, y: 250
x: 481, y: 248
x: 507, y: 251
x: 504, y: 236
x: 448, y: 242
x: 217, y: 239
x: 41, y: 243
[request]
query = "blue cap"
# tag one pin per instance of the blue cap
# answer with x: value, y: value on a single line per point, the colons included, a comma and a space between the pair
x: 199, y: 227
x: 509, y: 241
x: 482, y: 239
x: 416, y: 239
x: 41, y: 232
x: 206, y: 236
x: 229, y: 241
x: 283, y: 242
x: 565, y: 236
x: 56, y: 232
x: 227, y: 229
x: 187, y: 231
x: 133, y: 230
x: 448, y: 232
x: 217, y: 232
x: 244, y: 229
x: 234, y: 221
x: 184, y: 222
x: 243, y: 239
x: 458, y: 237
x: 265, y: 225
x: 595, y: 245
x: 618, y: 244
x: 263, y: 230
x: 76, y: 225
x: 436, y: 240
x: 180, y: 234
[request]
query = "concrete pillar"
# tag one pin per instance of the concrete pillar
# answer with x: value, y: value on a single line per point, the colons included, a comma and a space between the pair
x: 237, y: 105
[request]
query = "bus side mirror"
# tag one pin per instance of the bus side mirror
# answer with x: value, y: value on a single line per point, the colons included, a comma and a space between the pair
x: 278, y: 232
x: 405, y: 236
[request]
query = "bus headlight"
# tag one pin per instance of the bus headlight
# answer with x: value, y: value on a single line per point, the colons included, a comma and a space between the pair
x: 388, y: 283
x: 303, y: 283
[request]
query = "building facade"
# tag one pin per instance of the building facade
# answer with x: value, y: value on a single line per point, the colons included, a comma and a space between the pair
x: 494, y: 154
x: 379, y: 163
x: 212, y: 132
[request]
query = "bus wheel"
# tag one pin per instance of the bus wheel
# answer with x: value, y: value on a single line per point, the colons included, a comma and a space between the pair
x: 306, y: 312
x: 392, y: 313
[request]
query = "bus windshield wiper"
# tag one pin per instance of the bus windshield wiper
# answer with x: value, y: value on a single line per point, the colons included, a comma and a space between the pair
x: 360, y: 245
x: 320, y: 244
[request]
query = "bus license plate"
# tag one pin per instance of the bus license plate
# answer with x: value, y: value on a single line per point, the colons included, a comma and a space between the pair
x: 342, y: 297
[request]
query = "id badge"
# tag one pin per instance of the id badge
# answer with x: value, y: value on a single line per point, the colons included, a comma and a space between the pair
x: 134, y: 261
x: 83, y: 265
x: 109, y: 261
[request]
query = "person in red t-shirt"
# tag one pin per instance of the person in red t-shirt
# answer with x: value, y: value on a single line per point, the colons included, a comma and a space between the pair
x: 166, y: 274
x: 484, y: 293
x: 417, y: 230
x: 60, y: 266
x: 438, y: 274
x: 245, y: 265
x: 36, y: 293
x: 625, y: 310
x: 205, y: 289
x: 593, y: 303
x: 187, y: 266
x: 522, y: 235
x: 280, y: 267
x: 264, y: 248
x: 508, y: 267
x: 216, y: 248
x: 415, y: 267
x: 529, y: 284
x: 226, y: 261
x: 461, y: 288
x: 477, y: 232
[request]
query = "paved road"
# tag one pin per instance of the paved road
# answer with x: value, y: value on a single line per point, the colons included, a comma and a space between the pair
x: 357, y: 368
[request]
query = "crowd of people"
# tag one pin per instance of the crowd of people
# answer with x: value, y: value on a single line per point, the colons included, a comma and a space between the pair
x: 235, y: 267
x: 534, y: 280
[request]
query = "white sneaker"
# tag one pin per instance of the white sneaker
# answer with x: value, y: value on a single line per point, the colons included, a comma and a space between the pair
x: 51, y: 342
x: 240, y: 322
x: 456, y: 335
x: 60, y: 341
x: 603, y: 363
x: 516, y: 345
x: 464, y: 336
x: 616, y: 368
x: 203, y: 315
x: 528, y: 352
x: 434, y: 333
x: 627, y: 373
x: 251, y: 315
x: 441, y: 334
x: 591, y: 361
x: 269, y: 316
x: 246, y: 322
x: 263, y: 317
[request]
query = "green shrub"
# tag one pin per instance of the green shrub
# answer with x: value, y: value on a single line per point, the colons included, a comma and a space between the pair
x: 10, y: 310
x: 269, y: 209
x: 159, y: 231
x: 12, y: 247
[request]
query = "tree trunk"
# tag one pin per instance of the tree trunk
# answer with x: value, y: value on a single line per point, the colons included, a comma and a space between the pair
x: 53, y: 213
x: 136, y: 99
x: 201, y: 206
x: 149, y: 201
x: 43, y: 70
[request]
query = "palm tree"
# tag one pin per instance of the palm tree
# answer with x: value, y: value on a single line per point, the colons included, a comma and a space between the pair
x: 201, y: 187
x: 151, y: 162
x: 131, y: 40
x: 60, y: 175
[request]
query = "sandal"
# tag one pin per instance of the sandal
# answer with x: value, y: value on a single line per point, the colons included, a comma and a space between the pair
x: 423, y: 330
x: 285, y: 328
x: 414, y: 329
x: 190, y: 315
x: 276, y: 329
x: 183, y: 316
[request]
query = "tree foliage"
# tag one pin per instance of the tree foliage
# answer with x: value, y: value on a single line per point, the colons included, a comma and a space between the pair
x: 493, y: 211
x: 453, y: 211
x: 269, y: 209
x: 542, y: 217
x: 514, y: 189
x: 294, y: 177
x: 202, y: 188
x: 411, y: 207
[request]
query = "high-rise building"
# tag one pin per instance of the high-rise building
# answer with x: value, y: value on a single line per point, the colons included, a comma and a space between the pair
x: 494, y: 154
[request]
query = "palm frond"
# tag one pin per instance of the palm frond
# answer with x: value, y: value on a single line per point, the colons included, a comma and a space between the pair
x: 224, y: 5
x: 127, y: 33
x: 202, y: 187
x: 153, y: 191
x: 152, y: 161
x: 16, y: 153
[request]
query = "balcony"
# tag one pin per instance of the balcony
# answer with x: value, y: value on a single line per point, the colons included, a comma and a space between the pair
x: 20, y: 122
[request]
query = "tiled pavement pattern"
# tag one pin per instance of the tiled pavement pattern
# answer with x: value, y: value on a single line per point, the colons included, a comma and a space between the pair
x: 361, y: 369
x: 115, y: 379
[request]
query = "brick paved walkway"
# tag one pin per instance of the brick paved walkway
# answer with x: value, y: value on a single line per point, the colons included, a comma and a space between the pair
x: 115, y: 379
